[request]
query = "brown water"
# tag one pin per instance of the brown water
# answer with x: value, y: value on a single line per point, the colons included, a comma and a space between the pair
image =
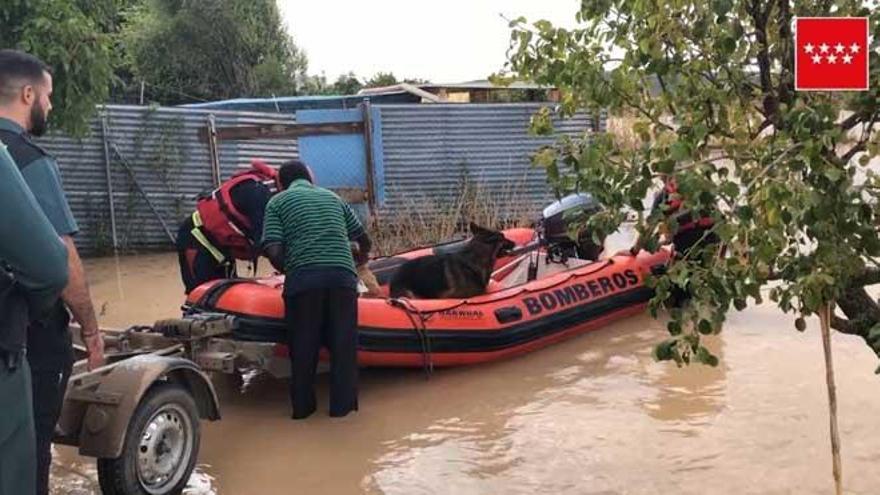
x: 593, y: 415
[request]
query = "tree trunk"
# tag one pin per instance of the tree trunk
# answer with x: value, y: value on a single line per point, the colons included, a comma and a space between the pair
x: 825, y: 321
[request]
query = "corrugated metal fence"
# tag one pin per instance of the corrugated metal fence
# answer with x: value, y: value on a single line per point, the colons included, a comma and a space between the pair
x: 427, y: 151
x: 166, y: 159
x: 431, y: 150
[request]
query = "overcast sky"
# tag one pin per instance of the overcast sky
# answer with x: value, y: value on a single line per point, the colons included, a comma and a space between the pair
x: 447, y: 41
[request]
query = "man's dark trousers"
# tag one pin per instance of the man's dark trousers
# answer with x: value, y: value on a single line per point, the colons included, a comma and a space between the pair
x: 51, y: 361
x: 325, y: 316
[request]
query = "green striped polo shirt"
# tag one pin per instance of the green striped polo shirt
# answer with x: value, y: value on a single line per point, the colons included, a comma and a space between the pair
x: 315, y: 226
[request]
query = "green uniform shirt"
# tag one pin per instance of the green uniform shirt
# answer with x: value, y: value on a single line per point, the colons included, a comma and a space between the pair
x: 42, y: 175
x: 30, y: 252
x: 314, y: 225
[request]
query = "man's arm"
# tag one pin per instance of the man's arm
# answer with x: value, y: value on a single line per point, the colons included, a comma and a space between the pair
x: 357, y: 234
x: 77, y: 298
x: 44, y: 179
x: 273, y: 237
x: 275, y: 252
x: 28, y: 243
x: 251, y: 198
x: 364, y: 245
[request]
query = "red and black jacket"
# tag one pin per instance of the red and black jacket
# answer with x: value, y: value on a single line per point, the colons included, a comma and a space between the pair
x: 224, y: 222
x: 671, y: 202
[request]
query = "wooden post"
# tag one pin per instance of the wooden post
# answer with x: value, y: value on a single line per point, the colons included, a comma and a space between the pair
x: 368, y: 150
x: 212, y: 150
x: 104, y: 138
x: 825, y: 321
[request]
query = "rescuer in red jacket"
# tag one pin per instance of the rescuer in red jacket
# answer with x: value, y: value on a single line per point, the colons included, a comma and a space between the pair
x: 226, y: 226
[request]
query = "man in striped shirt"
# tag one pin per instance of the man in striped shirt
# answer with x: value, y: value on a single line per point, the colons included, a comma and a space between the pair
x: 306, y: 234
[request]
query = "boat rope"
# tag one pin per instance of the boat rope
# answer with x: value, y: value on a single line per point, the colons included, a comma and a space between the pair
x: 418, y: 320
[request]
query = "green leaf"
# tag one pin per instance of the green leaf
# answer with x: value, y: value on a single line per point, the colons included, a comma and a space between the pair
x: 666, y: 350
x: 545, y: 157
x: 544, y: 26
x: 721, y: 7
x: 704, y: 356
x: 705, y: 327
x: 665, y: 166
x: 833, y: 174
x: 738, y: 30
x: 679, y: 151
x: 730, y: 189
x: 725, y: 45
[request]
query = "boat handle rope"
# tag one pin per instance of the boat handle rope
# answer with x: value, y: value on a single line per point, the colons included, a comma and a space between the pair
x: 418, y: 319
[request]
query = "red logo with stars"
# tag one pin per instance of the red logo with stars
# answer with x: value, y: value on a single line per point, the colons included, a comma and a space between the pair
x: 831, y: 54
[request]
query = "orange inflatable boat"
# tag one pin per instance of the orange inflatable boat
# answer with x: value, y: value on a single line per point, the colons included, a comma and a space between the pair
x: 516, y: 315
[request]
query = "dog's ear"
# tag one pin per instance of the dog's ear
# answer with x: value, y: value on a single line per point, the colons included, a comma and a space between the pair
x: 475, y: 229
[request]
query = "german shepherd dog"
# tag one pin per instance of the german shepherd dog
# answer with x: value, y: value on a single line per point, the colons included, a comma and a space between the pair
x: 460, y: 274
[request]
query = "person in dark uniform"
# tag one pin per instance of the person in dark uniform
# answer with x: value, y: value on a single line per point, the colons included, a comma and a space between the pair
x: 307, y: 234
x: 24, y: 109
x: 226, y: 226
x: 684, y: 228
x: 33, y: 272
x: 690, y: 229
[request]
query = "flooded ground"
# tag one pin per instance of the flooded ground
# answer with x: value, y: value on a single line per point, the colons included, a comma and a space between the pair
x: 593, y: 415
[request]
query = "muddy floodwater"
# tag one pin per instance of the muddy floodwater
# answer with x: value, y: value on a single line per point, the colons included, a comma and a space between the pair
x: 592, y: 415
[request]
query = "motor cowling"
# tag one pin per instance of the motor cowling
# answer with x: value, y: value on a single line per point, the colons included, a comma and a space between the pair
x: 559, y: 216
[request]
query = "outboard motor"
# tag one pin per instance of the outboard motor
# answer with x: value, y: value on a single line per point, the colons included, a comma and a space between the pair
x: 555, y: 221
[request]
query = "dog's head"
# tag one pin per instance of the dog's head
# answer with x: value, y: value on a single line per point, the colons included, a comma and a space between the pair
x: 492, y: 238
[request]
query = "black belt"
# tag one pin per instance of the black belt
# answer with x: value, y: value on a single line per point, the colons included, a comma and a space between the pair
x: 10, y: 361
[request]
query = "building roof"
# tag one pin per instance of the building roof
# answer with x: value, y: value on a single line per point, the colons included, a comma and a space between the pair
x: 486, y: 84
x: 290, y: 104
x: 401, y: 88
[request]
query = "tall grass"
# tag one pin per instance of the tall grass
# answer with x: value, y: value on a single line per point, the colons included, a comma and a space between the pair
x: 424, y: 220
x: 621, y: 128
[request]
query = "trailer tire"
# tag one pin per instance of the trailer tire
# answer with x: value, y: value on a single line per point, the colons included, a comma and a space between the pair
x: 161, y: 446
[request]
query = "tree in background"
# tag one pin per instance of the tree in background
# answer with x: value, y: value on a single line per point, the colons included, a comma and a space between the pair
x: 75, y: 39
x: 212, y: 49
x: 346, y: 84
x: 381, y: 79
x: 711, y: 86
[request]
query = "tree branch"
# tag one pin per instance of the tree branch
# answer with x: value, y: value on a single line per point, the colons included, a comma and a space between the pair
x: 759, y: 17
x: 858, y: 148
x: 850, y: 327
x: 765, y: 124
x: 852, y: 121
x: 869, y: 276
x: 666, y: 92
x: 863, y: 141
x: 786, y: 80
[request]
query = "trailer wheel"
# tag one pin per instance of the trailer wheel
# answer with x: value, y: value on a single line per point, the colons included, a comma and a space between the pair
x: 161, y: 446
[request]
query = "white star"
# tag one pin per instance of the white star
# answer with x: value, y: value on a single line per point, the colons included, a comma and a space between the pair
x: 824, y: 48
x: 847, y: 59
x: 838, y: 47
x: 817, y: 59
x: 854, y: 48
x: 808, y: 48
x: 832, y: 59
